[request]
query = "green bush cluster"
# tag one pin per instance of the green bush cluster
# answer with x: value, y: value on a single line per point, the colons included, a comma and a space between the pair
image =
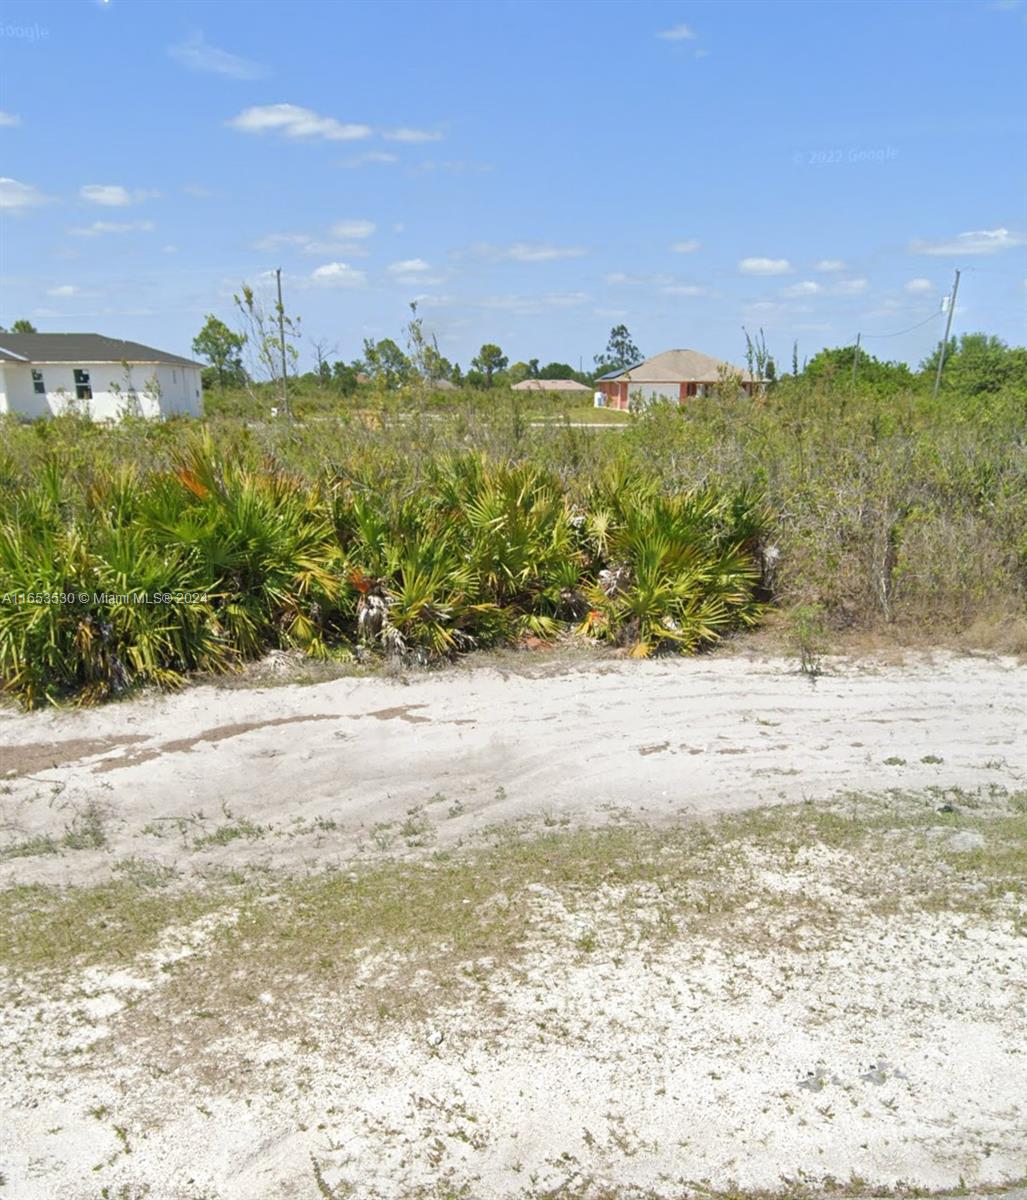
x: 474, y: 520
x: 113, y: 575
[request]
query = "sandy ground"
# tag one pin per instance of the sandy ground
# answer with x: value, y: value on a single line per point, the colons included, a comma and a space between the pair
x: 883, y: 1044
x: 657, y: 740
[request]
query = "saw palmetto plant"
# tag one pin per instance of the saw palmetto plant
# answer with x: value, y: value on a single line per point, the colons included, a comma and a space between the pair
x: 115, y: 575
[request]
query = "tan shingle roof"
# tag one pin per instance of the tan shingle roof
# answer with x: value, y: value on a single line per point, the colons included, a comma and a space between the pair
x: 681, y: 366
x: 550, y: 385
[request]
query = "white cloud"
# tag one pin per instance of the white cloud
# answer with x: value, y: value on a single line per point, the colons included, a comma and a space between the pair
x: 292, y: 121
x: 409, y: 266
x: 195, y: 190
x: 525, y: 252
x: 101, y: 227
x: 413, y: 271
x: 353, y: 228
x: 372, y: 156
x: 828, y: 266
x: 15, y: 195
x: 849, y: 287
x: 685, y: 289
x: 8, y: 120
x: 413, y: 136
x: 806, y: 288
x: 623, y: 279
x: 765, y: 266
x: 527, y: 305
x: 113, y: 195
x: 306, y: 243
x: 679, y: 33
x: 64, y: 289
x: 977, y: 241
x: 169, y: 249
x: 917, y: 287
x: 689, y: 246
x: 338, y: 274
x: 198, y: 54
x: 538, y: 252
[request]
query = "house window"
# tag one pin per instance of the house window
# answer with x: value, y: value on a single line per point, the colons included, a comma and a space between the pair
x: 82, y: 389
x: 174, y: 375
x: 38, y: 386
x: 691, y: 391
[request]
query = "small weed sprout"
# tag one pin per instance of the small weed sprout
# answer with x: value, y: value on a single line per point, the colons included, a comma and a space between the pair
x: 808, y: 637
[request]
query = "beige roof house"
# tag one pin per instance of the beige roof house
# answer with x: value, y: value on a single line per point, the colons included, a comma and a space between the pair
x: 672, y: 375
x: 681, y: 366
x: 550, y: 385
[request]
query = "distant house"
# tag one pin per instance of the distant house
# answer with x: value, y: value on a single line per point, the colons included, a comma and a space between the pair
x: 550, y: 385
x: 44, y: 374
x: 672, y: 375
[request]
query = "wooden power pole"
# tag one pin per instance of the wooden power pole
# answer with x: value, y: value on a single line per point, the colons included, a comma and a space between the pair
x: 945, y: 339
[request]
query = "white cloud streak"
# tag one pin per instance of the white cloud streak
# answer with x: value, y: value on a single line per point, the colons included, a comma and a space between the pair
x: 765, y: 266
x: 113, y: 195
x: 15, y: 196
x: 338, y: 274
x: 975, y: 242
x: 412, y: 136
x: 292, y: 121
x: 678, y: 33
x: 197, y: 54
x: 100, y: 228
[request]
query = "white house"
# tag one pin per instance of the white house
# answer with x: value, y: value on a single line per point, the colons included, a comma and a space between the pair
x: 44, y: 374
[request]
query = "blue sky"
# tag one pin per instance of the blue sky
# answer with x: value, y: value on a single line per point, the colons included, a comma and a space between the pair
x: 531, y: 173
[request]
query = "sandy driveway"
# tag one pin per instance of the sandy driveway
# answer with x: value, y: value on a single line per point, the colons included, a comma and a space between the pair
x: 834, y: 990
x: 656, y: 739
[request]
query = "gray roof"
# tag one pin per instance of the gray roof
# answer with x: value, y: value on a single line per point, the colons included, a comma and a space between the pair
x: 679, y: 366
x: 81, y: 348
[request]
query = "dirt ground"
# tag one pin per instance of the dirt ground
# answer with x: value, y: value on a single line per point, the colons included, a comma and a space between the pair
x: 627, y: 930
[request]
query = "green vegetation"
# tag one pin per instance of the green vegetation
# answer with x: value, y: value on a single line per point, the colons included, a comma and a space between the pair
x: 418, y: 523
x: 116, y: 572
x: 889, y: 853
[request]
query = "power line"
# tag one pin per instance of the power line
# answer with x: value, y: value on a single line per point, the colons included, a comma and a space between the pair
x: 919, y: 325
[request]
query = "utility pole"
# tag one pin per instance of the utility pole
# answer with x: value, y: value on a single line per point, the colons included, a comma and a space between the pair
x: 855, y: 359
x: 281, y: 343
x: 945, y: 339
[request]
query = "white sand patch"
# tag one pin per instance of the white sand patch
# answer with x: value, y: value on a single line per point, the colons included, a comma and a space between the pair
x: 298, y: 777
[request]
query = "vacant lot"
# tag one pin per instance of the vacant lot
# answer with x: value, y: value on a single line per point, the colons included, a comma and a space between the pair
x: 626, y: 932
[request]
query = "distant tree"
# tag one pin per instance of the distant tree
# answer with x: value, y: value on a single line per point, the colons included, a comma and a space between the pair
x: 322, y: 367
x: 837, y: 363
x: 222, y: 348
x: 758, y: 359
x: 344, y: 378
x: 488, y: 361
x: 519, y: 371
x: 263, y: 334
x: 620, y: 353
x: 978, y: 363
x: 23, y: 326
x: 533, y: 368
x: 387, y: 365
x: 557, y: 370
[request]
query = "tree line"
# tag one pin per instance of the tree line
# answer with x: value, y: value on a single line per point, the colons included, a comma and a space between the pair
x: 254, y: 353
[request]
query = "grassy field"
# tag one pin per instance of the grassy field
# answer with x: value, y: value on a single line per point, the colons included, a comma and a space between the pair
x: 426, y: 525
